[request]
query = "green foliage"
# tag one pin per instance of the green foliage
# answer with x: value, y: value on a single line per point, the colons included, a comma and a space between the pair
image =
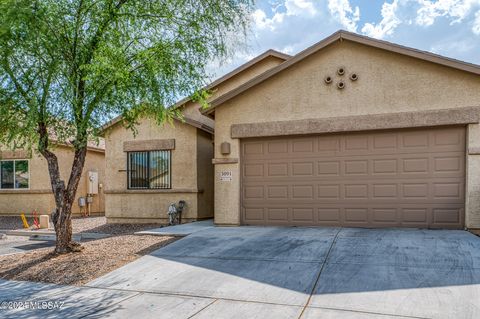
x: 71, y: 65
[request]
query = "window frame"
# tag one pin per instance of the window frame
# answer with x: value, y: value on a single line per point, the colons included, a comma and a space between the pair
x: 148, y: 170
x: 14, y: 174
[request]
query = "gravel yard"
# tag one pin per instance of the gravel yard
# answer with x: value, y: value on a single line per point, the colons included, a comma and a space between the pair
x: 12, y: 222
x: 97, y: 258
x: 99, y: 225
x: 82, y: 225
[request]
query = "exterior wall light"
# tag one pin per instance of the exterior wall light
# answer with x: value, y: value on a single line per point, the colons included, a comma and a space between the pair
x: 225, y: 148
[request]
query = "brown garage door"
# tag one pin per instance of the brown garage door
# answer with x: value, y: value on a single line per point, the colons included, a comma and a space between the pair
x: 401, y: 178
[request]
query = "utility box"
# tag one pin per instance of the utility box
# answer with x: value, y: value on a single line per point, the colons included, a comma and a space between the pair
x: 92, y: 183
x: 44, y: 221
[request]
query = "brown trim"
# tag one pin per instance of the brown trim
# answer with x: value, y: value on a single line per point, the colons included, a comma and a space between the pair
x: 458, y: 116
x: 149, y: 145
x: 339, y: 36
x: 155, y: 191
x: 216, y: 161
x: 18, y: 154
x: 198, y: 125
x: 474, y: 151
x: 25, y: 191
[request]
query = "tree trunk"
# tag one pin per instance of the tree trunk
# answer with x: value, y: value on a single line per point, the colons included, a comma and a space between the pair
x: 64, y: 196
x: 62, y: 218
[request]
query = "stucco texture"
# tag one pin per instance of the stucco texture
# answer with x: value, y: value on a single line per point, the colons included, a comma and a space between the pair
x: 145, y: 206
x: 192, y: 169
x: 39, y: 196
x: 191, y: 109
x: 388, y: 83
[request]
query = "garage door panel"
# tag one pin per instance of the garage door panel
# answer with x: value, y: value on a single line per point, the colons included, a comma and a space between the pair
x: 406, y: 178
x: 412, y: 191
x: 410, y: 166
x: 277, y: 169
x: 278, y: 147
x: 431, y: 216
x: 303, y: 169
x: 306, y: 145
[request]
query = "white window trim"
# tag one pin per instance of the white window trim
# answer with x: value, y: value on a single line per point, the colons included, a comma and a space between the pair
x: 14, y: 160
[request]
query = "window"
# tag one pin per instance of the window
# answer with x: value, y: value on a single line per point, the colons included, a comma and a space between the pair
x: 14, y: 174
x: 149, y: 170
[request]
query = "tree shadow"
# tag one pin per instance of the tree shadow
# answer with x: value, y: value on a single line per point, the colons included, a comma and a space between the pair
x: 60, y: 301
x: 291, y: 258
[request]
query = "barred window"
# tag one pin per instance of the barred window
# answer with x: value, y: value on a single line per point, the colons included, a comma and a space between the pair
x: 149, y: 170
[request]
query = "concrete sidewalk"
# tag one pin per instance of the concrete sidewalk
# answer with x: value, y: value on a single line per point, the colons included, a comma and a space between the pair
x: 179, y: 230
x: 12, y: 245
x: 275, y: 272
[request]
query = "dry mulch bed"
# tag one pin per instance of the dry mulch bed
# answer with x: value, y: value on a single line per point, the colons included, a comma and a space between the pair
x: 99, y: 225
x: 97, y: 258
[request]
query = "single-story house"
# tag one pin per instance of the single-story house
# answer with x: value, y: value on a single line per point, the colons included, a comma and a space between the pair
x: 25, y: 182
x: 355, y: 132
x: 352, y: 131
x: 161, y: 165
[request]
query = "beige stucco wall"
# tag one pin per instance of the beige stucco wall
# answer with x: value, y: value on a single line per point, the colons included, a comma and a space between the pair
x: 192, y: 169
x: 388, y: 83
x: 123, y: 205
x: 39, y: 196
x: 192, y: 110
x: 473, y: 177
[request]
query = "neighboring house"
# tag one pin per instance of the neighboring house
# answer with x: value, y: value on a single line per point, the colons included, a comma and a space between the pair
x: 25, y: 182
x: 164, y: 164
x: 351, y: 132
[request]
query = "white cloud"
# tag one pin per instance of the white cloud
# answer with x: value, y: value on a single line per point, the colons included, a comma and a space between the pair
x: 343, y: 12
x: 300, y: 7
x: 263, y: 22
x: 388, y: 23
x: 476, y: 23
x: 292, y: 8
x: 453, y: 9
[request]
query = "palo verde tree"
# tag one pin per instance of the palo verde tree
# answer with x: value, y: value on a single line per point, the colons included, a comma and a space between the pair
x: 67, y: 66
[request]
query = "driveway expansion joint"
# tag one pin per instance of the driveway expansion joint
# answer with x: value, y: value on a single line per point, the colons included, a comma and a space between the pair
x: 320, y: 273
x: 194, y: 296
x: 199, y: 311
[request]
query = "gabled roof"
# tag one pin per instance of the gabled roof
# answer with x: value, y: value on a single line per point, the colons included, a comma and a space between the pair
x: 238, y: 70
x: 217, y: 82
x: 340, y: 36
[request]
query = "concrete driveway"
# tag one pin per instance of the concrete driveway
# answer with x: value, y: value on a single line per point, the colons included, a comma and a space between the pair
x: 274, y: 272
x: 15, y: 244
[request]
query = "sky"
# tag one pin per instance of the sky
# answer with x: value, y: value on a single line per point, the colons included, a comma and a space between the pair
x: 447, y: 27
